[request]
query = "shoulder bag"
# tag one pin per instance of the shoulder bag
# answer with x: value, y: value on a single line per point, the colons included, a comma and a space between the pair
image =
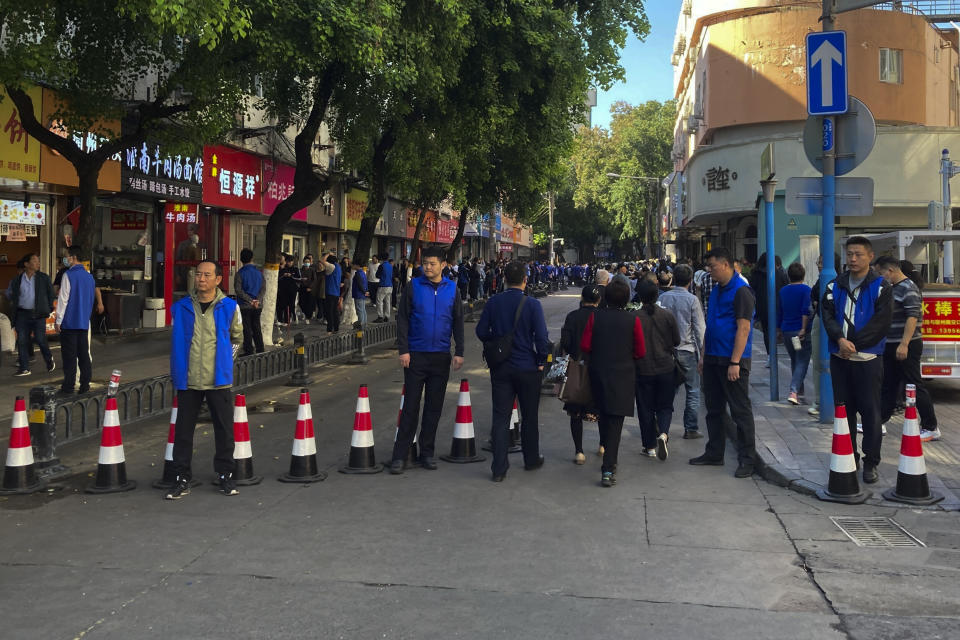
x: 496, y: 351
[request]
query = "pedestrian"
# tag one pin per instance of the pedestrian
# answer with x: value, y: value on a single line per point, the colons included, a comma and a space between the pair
x: 688, y: 311
x: 206, y: 327
x: 31, y: 296
x: 794, y: 314
x: 360, y: 295
x: 305, y: 298
x: 463, y: 279
x: 655, y: 381
x: 725, y: 365
x: 429, y: 314
x: 287, y: 286
x: 602, y: 279
x: 74, y: 307
x: 612, y: 340
x: 385, y: 291
x: 901, y: 356
x: 373, y: 278
x: 332, y: 301
x: 758, y: 282
x: 513, y: 314
x: 573, y: 327
x: 249, y: 285
x: 856, y: 310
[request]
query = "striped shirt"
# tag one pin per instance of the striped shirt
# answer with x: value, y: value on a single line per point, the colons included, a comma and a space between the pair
x: 907, y: 303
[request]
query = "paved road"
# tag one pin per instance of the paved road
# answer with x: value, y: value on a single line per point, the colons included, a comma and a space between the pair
x: 673, y: 551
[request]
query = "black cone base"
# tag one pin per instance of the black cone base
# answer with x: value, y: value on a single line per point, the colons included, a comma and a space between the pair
x: 111, y: 478
x: 362, y: 460
x: 20, y: 480
x: 912, y: 490
x: 303, y: 469
x: 413, y: 458
x: 243, y: 475
x: 170, y: 477
x: 462, y: 451
x: 843, y: 487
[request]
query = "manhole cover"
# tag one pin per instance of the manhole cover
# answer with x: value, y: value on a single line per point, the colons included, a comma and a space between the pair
x: 876, y: 532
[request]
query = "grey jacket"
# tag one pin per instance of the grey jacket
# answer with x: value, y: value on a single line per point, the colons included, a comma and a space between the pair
x: 688, y: 311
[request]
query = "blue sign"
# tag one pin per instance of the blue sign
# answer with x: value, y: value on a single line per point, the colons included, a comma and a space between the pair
x: 827, y: 134
x: 827, y: 73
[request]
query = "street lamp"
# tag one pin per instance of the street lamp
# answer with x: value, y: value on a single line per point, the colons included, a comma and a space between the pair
x: 646, y: 225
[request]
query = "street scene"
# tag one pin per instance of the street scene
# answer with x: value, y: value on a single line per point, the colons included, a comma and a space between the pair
x: 531, y: 319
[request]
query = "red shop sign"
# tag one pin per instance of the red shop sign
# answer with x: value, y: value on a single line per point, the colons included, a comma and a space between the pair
x: 175, y: 212
x: 231, y: 179
x: 278, y: 181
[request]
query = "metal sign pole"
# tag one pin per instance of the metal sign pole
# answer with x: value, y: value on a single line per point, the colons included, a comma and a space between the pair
x: 769, y: 192
x: 827, y: 240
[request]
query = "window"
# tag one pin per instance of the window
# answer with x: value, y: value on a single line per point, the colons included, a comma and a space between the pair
x: 891, y: 65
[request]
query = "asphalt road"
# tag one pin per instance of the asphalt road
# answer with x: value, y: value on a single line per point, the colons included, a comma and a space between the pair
x: 672, y: 551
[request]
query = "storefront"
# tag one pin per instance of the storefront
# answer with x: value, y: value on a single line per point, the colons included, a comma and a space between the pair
x: 395, y: 214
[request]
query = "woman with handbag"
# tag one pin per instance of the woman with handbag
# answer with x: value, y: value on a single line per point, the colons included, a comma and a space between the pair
x: 573, y: 326
x: 657, y: 373
x: 612, y: 341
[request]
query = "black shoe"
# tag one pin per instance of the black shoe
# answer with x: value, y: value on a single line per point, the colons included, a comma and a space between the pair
x: 51, y: 366
x: 429, y: 463
x: 743, y: 471
x: 690, y: 434
x: 662, y: 446
x: 22, y: 372
x: 707, y: 461
x: 84, y: 388
x: 396, y: 467
x: 228, y: 486
x: 65, y: 392
x: 608, y: 479
x: 535, y: 465
x: 870, y: 474
x: 499, y: 477
x: 179, y: 489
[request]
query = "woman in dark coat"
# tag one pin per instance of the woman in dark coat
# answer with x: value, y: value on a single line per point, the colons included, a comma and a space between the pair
x: 612, y: 340
x: 570, y: 334
x: 288, y: 283
x: 655, y: 379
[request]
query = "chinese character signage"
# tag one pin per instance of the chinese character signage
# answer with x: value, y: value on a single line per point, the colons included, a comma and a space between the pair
x: 356, y: 205
x: 941, y: 318
x: 447, y: 230
x: 55, y: 169
x: 718, y: 178
x: 278, y: 185
x: 16, y: 233
x: 180, y: 212
x: 127, y: 220
x: 149, y: 170
x: 231, y: 179
x: 14, y: 211
x: 19, y: 153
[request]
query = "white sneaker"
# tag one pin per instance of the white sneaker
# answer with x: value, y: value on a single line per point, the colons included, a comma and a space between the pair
x: 926, y: 435
x: 813, y: 411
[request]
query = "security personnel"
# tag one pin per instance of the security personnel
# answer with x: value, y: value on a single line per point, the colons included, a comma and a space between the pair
x: 430, y: 312
x: 333, y: 274
x: 74, y: 307
x: 206, y: 326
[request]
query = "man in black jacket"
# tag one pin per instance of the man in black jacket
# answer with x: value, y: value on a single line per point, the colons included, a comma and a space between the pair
x: 32, y: 299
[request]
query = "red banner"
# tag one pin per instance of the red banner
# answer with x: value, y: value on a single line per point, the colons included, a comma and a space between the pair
x: 278, y: 181
x: 941, y: 318
x: 231, y: 179
x: 175, y: 212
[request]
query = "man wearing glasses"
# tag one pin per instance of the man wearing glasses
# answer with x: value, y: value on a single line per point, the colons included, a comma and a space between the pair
x: 207, y: 332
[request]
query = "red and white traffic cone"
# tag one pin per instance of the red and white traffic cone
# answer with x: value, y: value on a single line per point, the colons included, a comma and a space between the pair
x: 843, y: 485
x: 412, y: 459
x: 112, y: 465
x: 242, y: 451
x: 362, y: 457
x: 169, y: 477
x: 303, y: 458
x: 912, y: 486
x: 20, y: 474
x: 463, y: 449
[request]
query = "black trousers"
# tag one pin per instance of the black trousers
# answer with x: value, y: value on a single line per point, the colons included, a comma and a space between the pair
x: 219, y: 401
x: 330, y: 304
x: 611, y: 428
x: 74, y: 348
x: 857, y: 385
x: 720, y: 393
x: 507, y: 383
x: 426, y: 376
x: 252, y: 332
x: 897, y: 373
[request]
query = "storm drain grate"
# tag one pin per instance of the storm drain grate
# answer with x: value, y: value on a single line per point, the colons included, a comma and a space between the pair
x: 876, y: 532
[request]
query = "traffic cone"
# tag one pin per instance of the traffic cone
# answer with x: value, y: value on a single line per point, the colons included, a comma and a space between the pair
x: 242, y: 452
x: 303, y: 458
x: 169, y: 472
x: 513, y: 444
x: 843, y: 485
x: 412, y: 459
x: 464, y: 446
x: 362, y: 458
x: 20, y: 474
x: 112, y: 465
x: 912, y: 486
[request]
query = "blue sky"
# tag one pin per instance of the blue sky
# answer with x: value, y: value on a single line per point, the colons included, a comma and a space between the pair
x: 649, y: 72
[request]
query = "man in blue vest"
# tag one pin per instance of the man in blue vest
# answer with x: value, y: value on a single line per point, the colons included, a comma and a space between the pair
x: 74, y: 307
x: 331, y: 303
x: 856, y: 310
x: 429, y: 313
x: 725, y: 364
x: 206, y: 327
x: 385, y: 290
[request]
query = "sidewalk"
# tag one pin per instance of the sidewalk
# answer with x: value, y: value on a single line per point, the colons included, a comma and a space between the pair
x: 794, y: 448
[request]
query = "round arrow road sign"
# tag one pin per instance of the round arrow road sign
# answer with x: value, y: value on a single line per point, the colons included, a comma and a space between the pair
x: 854, y: 135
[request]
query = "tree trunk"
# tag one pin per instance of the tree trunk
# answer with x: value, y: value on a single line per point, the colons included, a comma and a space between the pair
x: 87, y: 172
x: 461, y: 227
x: 415, y: 245
x: 376, y: 197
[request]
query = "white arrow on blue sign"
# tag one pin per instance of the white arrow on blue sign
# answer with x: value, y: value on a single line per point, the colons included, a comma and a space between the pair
x: 827, y: 73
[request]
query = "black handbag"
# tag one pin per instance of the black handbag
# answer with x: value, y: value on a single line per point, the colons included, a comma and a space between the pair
x: 496, y: 351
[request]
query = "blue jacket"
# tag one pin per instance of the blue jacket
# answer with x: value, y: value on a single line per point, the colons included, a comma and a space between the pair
x: 869, y: 308
x: 80, y: 303
x: 182, y: 367
x: 530, y: 340
x: 386, y: 275
x: 722, y: 321
x: 251, y: 284
x: 428, y: 315
x: 333, y: 281
x: 359, y: 285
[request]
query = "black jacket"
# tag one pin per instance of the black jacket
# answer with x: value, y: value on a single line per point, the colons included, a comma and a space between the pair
x: 661, y: 335
x: 43, y: 294
x: 572, y: 331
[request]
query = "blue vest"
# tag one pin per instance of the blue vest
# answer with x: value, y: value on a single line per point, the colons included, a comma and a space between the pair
x: 80, y: 303
x: 184, y: 317
x: 863, y: 310
x: 431, y: 316
x: 386, y: 275
x: 722, y: 322
x: 333, y: 281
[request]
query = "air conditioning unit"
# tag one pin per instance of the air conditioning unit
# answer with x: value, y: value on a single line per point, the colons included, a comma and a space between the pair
x: 681, y: 45
x: 693, y: 123
x: 694, y: 51
x: 687, y: 7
